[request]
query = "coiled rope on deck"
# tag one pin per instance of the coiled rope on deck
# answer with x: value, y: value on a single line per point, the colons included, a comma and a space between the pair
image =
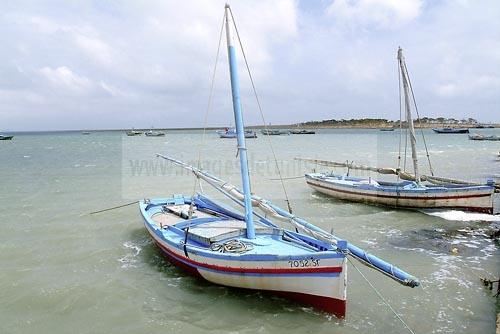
x: 231, y: 246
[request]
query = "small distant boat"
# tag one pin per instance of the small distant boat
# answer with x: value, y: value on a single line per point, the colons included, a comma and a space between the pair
x: 134, y: 133
x: 387, y: 129
x: 477, y: 136
x: 231, y: 133
x: 85, y: 132
x: 4, y: 137
x: 303, y: 132
x: 152, y: 133
x: 450, y: 130
x: 275, y: 132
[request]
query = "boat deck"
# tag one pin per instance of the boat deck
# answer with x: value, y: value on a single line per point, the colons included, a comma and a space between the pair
x: 204, y: 229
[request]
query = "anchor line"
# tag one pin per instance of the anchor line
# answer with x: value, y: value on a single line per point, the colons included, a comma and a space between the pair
x: 382, y: 298
x: 115, y: 207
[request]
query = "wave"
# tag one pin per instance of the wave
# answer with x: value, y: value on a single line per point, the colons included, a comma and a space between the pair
x: 463, y: 216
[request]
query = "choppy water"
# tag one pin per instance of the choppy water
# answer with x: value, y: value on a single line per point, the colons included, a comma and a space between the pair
x: 65, y: 271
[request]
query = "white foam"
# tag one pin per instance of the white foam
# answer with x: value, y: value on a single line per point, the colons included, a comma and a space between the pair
x: 463, y: 216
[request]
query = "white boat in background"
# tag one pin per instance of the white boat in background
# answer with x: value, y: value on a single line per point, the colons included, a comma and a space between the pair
x: 154, y: 133
x: 231, y: 133
x: 133, y: 132
x: 413, y: 191
x: 275, y: 132
x: 250, y: 250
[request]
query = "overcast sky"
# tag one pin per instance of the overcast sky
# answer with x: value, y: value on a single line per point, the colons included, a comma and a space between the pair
x: 121, y: 64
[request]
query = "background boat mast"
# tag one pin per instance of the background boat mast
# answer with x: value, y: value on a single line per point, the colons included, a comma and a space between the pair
x: 409, y: 119
x: 238, y: 119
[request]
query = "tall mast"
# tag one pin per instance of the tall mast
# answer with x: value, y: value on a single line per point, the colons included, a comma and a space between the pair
x: 238, y: 119
x: 409, y: 120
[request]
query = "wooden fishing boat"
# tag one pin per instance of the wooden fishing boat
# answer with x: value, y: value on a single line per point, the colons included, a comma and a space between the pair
x: 4, y: 137
x: 249, y: 250
x: 231, y: 133
x: 405, y: 194
x: 387, y: 129
x: 412, y: 191
x: 450, y: 130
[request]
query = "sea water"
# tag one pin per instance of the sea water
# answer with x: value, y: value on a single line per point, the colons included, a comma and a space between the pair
x: 65, y: 271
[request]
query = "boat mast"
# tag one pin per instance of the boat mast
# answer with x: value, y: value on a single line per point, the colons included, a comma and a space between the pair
x: 409, y: 120
x: 238, y: 119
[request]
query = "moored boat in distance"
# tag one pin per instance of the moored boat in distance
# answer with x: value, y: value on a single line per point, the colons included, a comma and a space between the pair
x: 154, y: 133
x: 302, y: 132
x: 85, y: 132
x: 249, y: 250
x: 6, y: 137
x: 450, y: 130
x: 231, y: 133
x: 386, y: 129
x: 274, y: 132
x: 412, y: 191
x: 477, y: 136
x: 133, y: 132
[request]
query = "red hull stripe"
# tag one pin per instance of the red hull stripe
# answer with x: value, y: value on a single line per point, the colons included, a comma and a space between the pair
x: 309, y: 270
x: 398, y: 197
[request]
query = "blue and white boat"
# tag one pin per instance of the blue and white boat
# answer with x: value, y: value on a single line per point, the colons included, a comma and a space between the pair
x: 412, y: 191
x: 249, y: 250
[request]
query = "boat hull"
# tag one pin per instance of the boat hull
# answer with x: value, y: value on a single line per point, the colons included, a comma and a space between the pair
x: 322, y: 287
x: 474, y: 198
x: 450, y: 130
x: 231, y: 135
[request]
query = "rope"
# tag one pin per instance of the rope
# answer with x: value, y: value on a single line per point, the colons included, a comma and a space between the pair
x: 261, y: 113
x: 231, y: 246
x: 113, y: 208
x: 382, y: 298
x: 419, y: 122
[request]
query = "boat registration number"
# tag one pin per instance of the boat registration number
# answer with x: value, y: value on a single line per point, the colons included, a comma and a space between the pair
x: 304, y: 263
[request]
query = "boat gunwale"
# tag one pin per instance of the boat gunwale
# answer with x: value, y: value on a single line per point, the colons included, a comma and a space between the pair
x: 424, y: 190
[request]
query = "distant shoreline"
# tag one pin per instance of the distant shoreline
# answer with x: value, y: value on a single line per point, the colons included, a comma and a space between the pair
x: 309, y: 126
